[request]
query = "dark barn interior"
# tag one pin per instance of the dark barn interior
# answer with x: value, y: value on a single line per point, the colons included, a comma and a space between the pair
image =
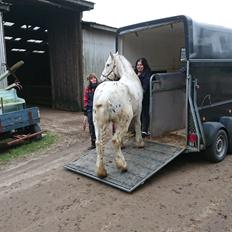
x: 46, y: 35
x: 27, y: 40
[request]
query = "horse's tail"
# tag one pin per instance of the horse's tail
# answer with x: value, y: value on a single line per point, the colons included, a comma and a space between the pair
x: 102, y: 137
x: 105, y: 110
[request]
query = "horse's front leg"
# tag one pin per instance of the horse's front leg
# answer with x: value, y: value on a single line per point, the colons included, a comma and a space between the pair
x: 138, y: 133
x: 100, y: 166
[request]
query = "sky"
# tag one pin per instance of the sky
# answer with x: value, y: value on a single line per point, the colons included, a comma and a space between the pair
x: 119, y: 13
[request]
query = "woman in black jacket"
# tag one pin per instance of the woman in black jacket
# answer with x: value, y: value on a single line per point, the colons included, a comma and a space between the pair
x: 143, y: 71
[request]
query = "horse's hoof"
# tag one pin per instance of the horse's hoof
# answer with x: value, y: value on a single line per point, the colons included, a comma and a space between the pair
x: 140, y: 145
x: 102, y: 173
x: 123, y: 146
x: 122, y: 166
x: 124, y: 169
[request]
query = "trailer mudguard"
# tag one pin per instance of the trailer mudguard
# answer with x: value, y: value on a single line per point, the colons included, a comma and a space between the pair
x: 210, y: 131
x: 227, y: 122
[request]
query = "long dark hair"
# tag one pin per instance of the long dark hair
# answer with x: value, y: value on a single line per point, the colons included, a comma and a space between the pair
x: 144, y: 63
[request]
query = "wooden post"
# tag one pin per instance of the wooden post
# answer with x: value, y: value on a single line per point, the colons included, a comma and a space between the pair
x: 3, y: 83
x: 65, y: 49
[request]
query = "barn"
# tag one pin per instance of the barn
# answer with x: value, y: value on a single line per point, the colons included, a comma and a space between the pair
x: 98, y: 41
x: 47, y: 36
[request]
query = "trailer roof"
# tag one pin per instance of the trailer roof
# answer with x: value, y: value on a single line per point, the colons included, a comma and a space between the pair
x: 202, y: 41
x: 152, y: 23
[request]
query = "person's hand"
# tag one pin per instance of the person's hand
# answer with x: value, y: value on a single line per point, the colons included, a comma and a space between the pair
x: 85, y: 120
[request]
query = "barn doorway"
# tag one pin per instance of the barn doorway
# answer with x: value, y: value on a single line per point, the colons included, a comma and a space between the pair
x: 47, y: 36
x: 27, y: 39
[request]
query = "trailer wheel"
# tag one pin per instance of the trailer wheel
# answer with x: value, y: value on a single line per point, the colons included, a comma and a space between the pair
x: 217, y: 151
x: 227, y: 122
x: 36, y: 128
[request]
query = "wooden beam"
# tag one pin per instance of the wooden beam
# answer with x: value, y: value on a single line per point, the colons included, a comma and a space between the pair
x: 25, y: 45
x: 25, y: 34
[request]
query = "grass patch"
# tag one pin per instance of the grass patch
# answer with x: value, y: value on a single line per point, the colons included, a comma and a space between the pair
x: 28, y: 148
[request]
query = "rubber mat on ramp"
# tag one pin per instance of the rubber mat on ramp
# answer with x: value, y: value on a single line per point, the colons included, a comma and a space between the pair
x: 142, y: 164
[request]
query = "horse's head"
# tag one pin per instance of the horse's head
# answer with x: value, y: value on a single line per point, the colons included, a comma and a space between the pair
x: 110, y: 71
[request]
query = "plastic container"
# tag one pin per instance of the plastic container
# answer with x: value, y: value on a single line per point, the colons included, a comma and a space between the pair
x: 9, y: 101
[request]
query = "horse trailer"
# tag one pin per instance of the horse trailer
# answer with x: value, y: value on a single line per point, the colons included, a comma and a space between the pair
x: 190, y: 96
x: 190, y: 90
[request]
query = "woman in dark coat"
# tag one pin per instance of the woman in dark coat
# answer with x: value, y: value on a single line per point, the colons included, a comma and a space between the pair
x: 143, y: 71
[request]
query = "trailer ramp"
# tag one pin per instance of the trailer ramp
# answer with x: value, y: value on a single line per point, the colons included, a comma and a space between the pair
x: 142, y: 164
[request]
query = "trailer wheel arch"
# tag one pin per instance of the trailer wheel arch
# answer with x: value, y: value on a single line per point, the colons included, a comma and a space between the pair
x: 210, y: 130
x: 227, y: 122
x: 216, y: 141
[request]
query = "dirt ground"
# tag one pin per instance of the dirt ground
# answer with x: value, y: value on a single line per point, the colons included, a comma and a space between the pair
x: 38, y: 195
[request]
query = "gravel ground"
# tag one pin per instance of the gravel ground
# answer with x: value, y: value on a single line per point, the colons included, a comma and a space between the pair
x: 38, y: 195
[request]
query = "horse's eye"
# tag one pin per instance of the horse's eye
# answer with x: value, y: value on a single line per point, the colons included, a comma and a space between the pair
x: 108, y: 65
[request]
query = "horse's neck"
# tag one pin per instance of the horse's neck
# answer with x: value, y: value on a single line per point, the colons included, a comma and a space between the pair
x: 125, y: 69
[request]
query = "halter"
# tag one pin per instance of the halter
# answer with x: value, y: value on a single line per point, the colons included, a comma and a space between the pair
x: 107, y: 75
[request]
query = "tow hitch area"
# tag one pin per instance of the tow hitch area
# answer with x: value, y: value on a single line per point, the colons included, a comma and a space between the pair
x: 142, y: 164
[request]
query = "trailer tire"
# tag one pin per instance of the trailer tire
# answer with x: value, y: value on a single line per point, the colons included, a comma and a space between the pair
x: 217, y: 151
x: 227, y: 122
x: 36, y: 128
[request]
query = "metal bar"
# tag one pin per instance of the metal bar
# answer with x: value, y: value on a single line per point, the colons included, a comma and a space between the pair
x: 186, y: 101
x: 11, y: 70
x: 193, y: 113
x: 209, y: 60
x: 215, y: 104
x: 197, y: 114
x: 151, y: 91
x: 2, y: 110
x: 24, y: 137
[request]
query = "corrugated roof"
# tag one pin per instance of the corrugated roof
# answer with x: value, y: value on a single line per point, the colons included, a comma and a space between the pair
x: 99, y: 26
x: 66, y: 4
x: 86, y: 5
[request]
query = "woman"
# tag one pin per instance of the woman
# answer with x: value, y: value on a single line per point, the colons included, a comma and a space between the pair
x: 143, y: 71
x: 88, y: 107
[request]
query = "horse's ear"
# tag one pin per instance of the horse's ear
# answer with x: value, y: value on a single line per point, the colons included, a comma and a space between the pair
x: 111, y: 54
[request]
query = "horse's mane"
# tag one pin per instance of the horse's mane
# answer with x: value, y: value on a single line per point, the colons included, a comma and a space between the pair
x: 126, y: 64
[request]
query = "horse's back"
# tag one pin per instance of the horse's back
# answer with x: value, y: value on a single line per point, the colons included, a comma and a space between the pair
x: 111, y: 102
x: 111, y: 91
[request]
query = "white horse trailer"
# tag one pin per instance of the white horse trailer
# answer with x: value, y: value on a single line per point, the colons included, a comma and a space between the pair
x: 190, y: 93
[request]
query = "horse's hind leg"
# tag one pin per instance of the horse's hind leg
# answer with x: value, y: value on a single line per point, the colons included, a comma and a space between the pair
x: 121, y: 131
x: 119, y: 158
x: 100, y: 166
x: 138, y: 134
